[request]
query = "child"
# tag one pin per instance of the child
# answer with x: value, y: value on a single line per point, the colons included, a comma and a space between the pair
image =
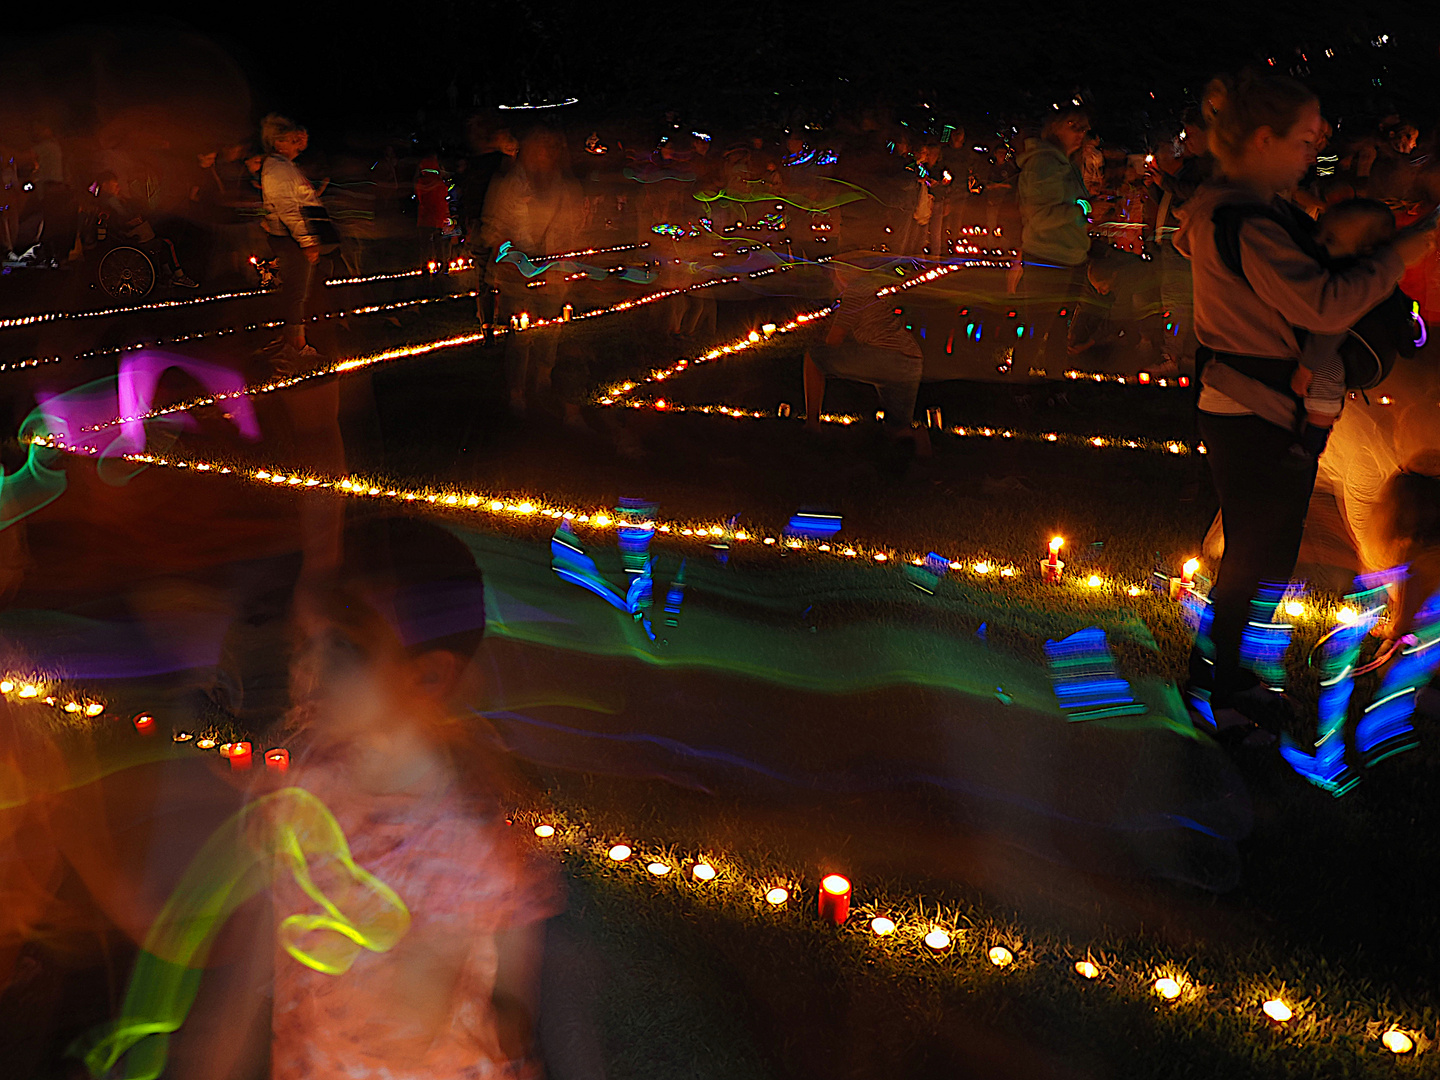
x: 381, y: 735
x: 1348, y: 231
x: 409, y: 775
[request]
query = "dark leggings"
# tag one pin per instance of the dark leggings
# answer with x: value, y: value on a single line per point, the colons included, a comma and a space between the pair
x: 297, y: 273
x: 1264, y: 488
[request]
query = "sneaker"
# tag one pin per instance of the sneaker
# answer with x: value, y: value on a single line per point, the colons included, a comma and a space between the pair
x: 182, y: 281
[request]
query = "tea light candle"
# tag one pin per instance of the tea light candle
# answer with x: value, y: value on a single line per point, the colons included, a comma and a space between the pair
x: 835, y: 899
x: 276, y: 760
x: 145, y: 724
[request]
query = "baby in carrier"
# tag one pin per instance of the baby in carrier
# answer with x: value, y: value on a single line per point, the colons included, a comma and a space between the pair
x: 1347, y: 232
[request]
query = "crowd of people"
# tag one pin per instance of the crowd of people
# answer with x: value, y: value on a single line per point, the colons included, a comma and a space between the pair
x: 1275, y: 236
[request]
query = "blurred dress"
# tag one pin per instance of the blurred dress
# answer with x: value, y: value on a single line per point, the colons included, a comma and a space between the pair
x: 460, y: 875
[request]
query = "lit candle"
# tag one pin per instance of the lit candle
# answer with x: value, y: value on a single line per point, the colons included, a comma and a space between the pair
x: 276, y: 760
x: 1051, y: 568
x: 567, y: 311
x: 835, y: 899
x: 145, y: 724
x: 239, y: 755
x: 1187, y: 573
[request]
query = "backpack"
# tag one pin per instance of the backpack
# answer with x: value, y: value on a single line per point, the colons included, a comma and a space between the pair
x: 1389, y: 330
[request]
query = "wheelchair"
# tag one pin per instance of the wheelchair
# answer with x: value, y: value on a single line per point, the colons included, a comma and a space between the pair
x: 122, y: 271
x: 125, y: 273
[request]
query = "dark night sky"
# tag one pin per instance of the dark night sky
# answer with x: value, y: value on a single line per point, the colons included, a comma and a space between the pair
x: 724, y: 63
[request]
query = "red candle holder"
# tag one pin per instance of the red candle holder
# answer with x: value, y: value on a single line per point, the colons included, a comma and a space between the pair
x: 277, y: 760
x: 145, y: 724
x: 835, y: 899
x: 239, y: 754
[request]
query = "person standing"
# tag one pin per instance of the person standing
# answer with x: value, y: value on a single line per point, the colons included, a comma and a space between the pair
x: 537, y: 208
x: 293, y: 241
x: 1177, y: 174
x: 432, y: 210
x: 1055, y: 237
x: 491, y: 153
x: 1263, y: 132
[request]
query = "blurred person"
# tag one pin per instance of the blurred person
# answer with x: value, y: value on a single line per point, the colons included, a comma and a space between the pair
x: 293, y: 241
x: 293, y: 218
x: 1055, y: 238
x: 913, y: 238
x: 9, y: 200
x: 1093, y: 333
x: 1262, y: 131
x: 383, y: 733
x: 492, y: 152
x: 53, y: 197
x: 1092, y: 164
x: 418, y: 784
x: 1396, y: 171
x: 432, y: 209
x: 959, y: 169
x: 238, y: 211
x: 1177, y: 171
x: 867, y: 342
x: 536, y: 207
x: 126, y: 224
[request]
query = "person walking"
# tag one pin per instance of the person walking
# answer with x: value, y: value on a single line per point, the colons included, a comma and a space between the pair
x: 1054, y: 238
x: 1262, y: 132
x: 536, y: 206
x: 293, y: 241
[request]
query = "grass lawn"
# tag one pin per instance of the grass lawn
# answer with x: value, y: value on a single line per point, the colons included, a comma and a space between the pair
x: 1328, y: 901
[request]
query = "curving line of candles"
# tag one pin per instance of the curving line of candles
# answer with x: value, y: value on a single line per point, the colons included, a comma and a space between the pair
x: 453, y: 266
x: 888, y: 923
x: 834, y: 894
x: 520, y: 324
x: 544, y: 509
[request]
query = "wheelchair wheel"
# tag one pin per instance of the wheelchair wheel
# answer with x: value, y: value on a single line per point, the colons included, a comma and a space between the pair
x: 126, y: 273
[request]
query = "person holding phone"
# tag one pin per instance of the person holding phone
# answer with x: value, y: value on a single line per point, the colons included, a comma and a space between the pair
x: 1263, y: 132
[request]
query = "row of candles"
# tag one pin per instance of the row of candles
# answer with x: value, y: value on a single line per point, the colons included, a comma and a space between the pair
x: 432, y: 267
x: 834, y: 895
x: 833, y: 901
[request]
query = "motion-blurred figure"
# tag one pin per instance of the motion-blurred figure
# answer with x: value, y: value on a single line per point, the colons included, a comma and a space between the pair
x: 1055, y: 241
x: 293, y: 241
x: 127, y: 224
x: 382, y: 735
x: 537, y: 207
x: 492, y: 152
